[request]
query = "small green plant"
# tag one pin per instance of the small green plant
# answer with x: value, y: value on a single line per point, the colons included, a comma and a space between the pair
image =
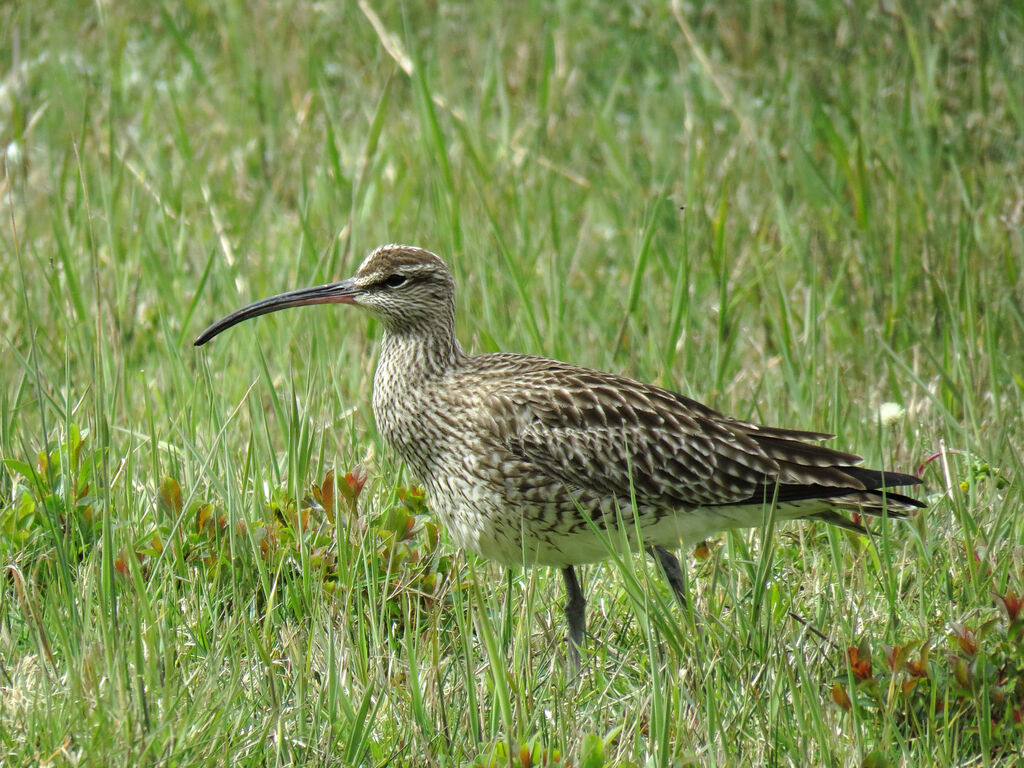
x: 974, y: 683
x: 533, y: 754
x: 52, y: 497
x: 400, y: 542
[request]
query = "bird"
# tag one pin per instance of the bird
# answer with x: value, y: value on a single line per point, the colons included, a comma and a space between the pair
x: 532, y: 461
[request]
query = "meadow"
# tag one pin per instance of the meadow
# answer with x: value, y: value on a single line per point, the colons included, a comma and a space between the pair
x: 805, y: 214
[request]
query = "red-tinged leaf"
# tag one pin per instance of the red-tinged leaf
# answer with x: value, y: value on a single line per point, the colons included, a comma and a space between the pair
x: 962, y: 673
x: 525, y: 758
x: 840, y: 697
x: 919, y: 668
x: 908, y: 686
x: 355, y: 480
x: 298, y: 519
x: 203, y: 516
x: 170, y: 495
x: 966, y: 638
x: 431, y: 535
x: 413, y: 498
x: 702, y: 551
x: 1011, y: 604
x: 327, y: 495
x: 864, y: 648
x: 121, y: 566
x: 896, y: 655
x: 859, y: 665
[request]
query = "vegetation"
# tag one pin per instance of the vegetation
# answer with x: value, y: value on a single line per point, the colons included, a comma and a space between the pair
x: 808, y: 214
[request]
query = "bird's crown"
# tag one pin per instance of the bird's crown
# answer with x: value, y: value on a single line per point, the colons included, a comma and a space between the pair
x: 407, y: 261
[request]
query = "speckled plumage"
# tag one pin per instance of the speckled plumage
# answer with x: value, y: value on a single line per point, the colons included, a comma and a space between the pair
x: 528, y: 460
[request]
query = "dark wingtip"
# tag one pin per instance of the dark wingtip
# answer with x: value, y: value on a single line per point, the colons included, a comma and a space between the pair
x: 875, y: 479
x: 899, y: 498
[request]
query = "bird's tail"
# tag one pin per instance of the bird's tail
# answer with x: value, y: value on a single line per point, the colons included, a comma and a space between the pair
x: 873, y: 497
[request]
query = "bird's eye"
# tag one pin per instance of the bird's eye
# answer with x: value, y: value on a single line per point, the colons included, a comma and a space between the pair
x: 393, y: 281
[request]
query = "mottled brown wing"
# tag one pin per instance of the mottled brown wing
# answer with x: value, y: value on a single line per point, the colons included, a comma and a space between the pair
x: 615, y: 435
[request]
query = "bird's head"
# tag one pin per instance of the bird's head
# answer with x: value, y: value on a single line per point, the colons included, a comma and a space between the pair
x: 404, y: 287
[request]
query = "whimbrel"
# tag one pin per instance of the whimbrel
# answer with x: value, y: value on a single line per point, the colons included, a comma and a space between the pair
x: 535, y: 461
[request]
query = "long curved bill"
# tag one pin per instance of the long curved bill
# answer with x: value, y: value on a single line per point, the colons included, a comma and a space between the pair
x: 341, y: 292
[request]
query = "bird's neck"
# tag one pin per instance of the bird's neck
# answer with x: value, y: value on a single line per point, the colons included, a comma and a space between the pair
x: 414, y: 352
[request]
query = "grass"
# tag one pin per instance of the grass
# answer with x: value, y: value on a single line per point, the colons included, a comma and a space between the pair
x: 795, y: 212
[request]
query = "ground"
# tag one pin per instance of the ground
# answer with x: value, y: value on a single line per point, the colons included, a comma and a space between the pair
x: 804, y: 214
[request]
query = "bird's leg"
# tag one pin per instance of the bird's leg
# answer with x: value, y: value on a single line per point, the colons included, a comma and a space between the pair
x: 673, y: 573
x: 575, y: 615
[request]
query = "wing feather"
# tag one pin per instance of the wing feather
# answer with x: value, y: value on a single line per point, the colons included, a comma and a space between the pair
x: 617, y: 436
